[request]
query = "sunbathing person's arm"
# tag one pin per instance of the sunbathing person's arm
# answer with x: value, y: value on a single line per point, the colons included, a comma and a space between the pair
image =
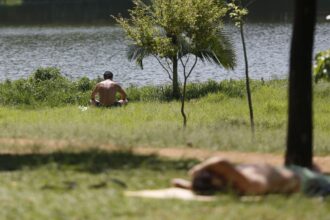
x: 93, y: 95
x: 123, y: 95
x: 232, y: 177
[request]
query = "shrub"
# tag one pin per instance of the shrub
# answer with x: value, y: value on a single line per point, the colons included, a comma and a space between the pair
x: 47, y: 73
x: 322, y: 66
x: 47, y: 87
x: 85, y: 84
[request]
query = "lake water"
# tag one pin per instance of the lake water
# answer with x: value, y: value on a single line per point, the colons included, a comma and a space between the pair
x: 89, y: 51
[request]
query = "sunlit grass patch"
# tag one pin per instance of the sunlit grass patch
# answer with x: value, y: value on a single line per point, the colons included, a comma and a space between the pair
x: 12, y: 2
x: 217, y: 120
x: 91, y: 185
x: 81, y: 180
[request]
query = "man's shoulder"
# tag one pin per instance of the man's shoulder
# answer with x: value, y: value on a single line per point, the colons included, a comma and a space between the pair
x: 116, y: 84
x: 103, y: 83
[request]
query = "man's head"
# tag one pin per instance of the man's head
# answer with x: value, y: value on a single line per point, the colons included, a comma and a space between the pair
x: 108, y: 75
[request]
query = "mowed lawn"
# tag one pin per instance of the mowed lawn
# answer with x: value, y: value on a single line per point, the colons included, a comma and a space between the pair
x: 88, y: 183
x: 91, y: 185
x: 217, y: 121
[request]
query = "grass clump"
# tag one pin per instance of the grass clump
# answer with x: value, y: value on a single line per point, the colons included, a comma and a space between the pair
x: 45, y: 87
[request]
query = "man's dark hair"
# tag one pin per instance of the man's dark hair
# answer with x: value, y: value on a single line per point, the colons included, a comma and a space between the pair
x: 108, y: 75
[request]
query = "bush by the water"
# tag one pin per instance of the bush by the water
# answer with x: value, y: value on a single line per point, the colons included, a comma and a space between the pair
x: 48, y: 87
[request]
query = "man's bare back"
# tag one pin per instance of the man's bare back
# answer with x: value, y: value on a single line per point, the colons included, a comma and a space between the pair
x: 217, y: 174
x: 106, y: 91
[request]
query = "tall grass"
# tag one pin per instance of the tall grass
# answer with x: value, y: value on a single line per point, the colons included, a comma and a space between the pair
x: 47, y: 87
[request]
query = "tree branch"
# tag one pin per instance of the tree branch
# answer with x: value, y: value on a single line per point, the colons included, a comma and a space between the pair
x: 193, y: 67
x: 168, y: 64
x: 184, y: 67
x: 187, y: 60
x: 162, y: 65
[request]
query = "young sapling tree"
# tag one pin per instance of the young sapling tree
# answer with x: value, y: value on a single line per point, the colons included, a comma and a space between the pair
x: 172, y: 31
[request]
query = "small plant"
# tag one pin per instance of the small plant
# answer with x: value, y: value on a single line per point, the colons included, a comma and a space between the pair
x: 47, y: 73
x: 85, y: 84
x: 178, y: 33
x: 238, y: 12
x: 322, y: 66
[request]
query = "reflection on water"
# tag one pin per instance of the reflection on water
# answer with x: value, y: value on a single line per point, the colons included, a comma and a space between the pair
x: 89, y: 51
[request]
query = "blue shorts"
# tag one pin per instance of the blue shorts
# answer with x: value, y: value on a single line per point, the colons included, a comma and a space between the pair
x: 312, y: 183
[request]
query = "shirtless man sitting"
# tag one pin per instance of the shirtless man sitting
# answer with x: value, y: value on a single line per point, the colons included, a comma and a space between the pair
x: 217, y: 174
x: 107, y: 90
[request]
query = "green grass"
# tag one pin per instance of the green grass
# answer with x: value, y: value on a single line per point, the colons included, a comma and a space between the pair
x: 61, y: 186
x: 217, y: 121
x: 12, y: 2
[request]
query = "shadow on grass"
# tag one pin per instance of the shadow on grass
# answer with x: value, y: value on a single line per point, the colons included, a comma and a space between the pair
x: 93, y: 161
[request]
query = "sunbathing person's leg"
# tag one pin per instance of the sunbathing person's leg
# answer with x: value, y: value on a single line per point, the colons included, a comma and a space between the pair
x: 312, y: 183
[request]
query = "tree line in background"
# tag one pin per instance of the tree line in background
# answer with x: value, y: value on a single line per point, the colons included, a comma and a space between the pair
x: 63, y: 12
x: 99, y: 11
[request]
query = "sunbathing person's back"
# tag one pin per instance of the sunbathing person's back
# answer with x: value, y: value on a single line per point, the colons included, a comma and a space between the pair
x: 219, y: 174
x: 106, y: 91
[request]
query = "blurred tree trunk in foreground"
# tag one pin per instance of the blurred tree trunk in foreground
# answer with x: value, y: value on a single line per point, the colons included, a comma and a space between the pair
x: 300, y: 128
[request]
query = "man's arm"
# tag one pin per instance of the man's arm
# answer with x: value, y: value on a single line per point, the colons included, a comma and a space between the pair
x: 93, y: 95
x: 123, y: 95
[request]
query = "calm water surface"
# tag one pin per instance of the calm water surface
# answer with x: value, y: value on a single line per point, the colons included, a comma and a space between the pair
x: 89, y: 51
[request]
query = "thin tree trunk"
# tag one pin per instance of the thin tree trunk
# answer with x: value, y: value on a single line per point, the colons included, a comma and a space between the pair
x: 300, y: 123
x: 175, y: 81
x: 247, y: 80
x: 183, y: 99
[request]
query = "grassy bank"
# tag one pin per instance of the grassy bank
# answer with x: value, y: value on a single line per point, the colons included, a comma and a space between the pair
x: 217, y: 119
x: 46, y: 87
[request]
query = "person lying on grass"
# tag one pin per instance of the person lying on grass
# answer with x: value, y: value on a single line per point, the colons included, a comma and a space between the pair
x: 219, y: 175
x: 107, y: 90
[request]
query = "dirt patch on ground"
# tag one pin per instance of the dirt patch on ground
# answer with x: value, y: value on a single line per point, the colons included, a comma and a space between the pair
x: 23, y: 146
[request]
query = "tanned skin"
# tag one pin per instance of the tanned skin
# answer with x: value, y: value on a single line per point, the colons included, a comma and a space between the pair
x: 106, y: 90
x: 247, y: 179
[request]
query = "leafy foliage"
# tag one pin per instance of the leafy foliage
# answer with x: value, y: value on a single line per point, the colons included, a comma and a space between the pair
x: 166, y: 29
x: 322, y: 66
x: 46, y: 87
x: 237, y: 13
x: 46, y: 74
x: 171, y: 30
x: 60, y: 91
